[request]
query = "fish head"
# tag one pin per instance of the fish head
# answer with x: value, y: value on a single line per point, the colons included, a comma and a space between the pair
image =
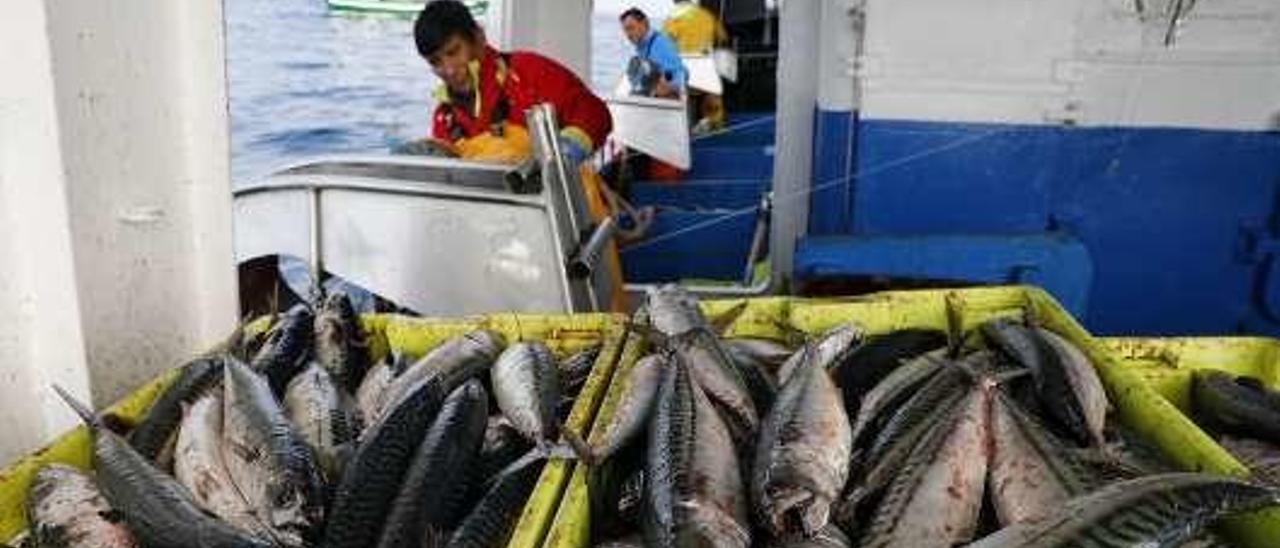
x: 487, y: 342
x: 338, y: 304
x: 673, y: 310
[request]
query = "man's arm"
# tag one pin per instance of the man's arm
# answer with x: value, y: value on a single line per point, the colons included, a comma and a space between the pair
x: 582, y: 116
x: 666, y: 56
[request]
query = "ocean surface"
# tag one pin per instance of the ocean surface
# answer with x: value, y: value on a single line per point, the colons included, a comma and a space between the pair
x: 306, y: 82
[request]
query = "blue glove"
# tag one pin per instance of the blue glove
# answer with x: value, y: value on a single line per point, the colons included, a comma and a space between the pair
x: 572, y: 152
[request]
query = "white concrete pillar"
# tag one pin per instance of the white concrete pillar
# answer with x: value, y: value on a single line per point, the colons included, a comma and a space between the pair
x: 115, y: 215
x: 793, y: 155
x: 141, y: 91
x: 40, y: 330
x: 560, y: 29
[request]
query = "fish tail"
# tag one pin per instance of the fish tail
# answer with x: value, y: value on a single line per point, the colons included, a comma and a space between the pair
x: 86, y: 414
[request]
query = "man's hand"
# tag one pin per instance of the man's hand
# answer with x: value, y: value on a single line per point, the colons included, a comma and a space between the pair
x: 428, y: 146
x: 665, y: 90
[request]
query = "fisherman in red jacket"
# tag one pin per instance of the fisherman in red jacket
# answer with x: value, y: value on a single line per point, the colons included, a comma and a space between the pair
x: 480, y: 108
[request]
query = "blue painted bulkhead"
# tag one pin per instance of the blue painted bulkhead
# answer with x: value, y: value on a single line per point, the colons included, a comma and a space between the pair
x: 1173, y: 222
x: 704, y: 223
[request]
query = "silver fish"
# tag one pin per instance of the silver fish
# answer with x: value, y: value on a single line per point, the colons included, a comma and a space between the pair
x: 829, y: 537
x: 764, y: 353
x: 287, y: 349
x: 942, y: 479
x: 526, y: 385
x: 269, y: 462
x: 837, y: 342
x: 1032, y: 472
x: 1084, y: 381
x: 802, y: 455
x: 432, y: 495
x: 695, y: 495
x: 711, y: 367
x: 1262, y: 458
x: 894, y: 389
x: 199, y: 467
x: 674, y: 311
x: 575, y: 369
x: 316, y: 407
x: 502, y: 445
x: 66, y: 509
x: 155, y: 433
x: 157, y: 509
x: 1162, y: 511
x: 340, y: 346
x: 372, y: 391
x: 737, y: 388
x: 632, y: 411
x: 931, y: 416
x: 459, y: 358
x: 1051, y: 380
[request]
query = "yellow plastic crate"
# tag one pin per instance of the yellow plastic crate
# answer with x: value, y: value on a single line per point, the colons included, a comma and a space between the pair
x: 1138, y: 404
x: 564, y: 334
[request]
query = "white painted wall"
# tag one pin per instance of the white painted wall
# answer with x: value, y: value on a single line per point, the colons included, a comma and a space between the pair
x: 1094, y: 62
x: 840, y: 44
x: 114, y: 201
x: 560, y: 29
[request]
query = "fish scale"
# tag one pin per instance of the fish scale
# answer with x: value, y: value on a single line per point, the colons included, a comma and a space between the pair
x: 340, y: 347
x: 633, y: 408
x: 740, y: 390
x: 267, y: 459
x: 372, y: 478
x: 941, y: 388
x: 287, y: 348
x: 1032, y: 472
x: 66, y: 509
x: 158, y: 510
x: 158, y: 427
x: 316, y: 408
x: 460, y: 358
x: 942, y: 478
x: 695, y: 486
x: 1049, y: 374
x: 1161, y: 510
x: 491, y: 522
x: 722, y: 383
x: 670, y: 456
x: 198, y: 465
x: 890, y: 392
x: 526, y: 384
x: 429, y: 496
x: 802, y: 455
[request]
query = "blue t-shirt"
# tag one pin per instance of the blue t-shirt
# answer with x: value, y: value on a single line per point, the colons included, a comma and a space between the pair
x: 658, y: 49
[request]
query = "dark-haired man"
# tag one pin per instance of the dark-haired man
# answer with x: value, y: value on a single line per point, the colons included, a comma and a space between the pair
x: 480, y: 108
x: 656, y: 68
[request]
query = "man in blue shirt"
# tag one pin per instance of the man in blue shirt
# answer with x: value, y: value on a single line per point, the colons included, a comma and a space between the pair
x: 656, y: 69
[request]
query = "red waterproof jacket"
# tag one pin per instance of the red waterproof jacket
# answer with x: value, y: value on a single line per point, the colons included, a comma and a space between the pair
x: 508, y: 84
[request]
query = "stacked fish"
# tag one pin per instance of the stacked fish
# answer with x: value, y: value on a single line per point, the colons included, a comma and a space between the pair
x: 295, y: 440
x: 1245, y: 416
x: 910, y: 439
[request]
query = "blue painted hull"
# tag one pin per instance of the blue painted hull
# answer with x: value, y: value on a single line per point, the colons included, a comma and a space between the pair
x: 1161, y: 212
